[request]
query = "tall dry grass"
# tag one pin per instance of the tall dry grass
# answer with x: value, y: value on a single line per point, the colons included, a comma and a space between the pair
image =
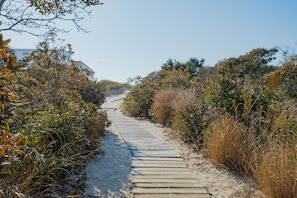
x: 277, y: 174
x: 162, y: 108
x: 264, y: 148
x: 231, y: 143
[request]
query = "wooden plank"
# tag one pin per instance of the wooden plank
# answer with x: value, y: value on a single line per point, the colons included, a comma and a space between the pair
x: 189, y: 177
x: 167, y: 185
x: 147, y: 146
x: 157, y: 162
x: 169, y: 190
x: 154, y: 155
x: 144, y: 143
x: 161, y: 169
x: 167, y: 172
x: 165, y: 180
x: 157, y: 158
x: 153, y: 152
x: 160, y: 165
x: 172, y: 196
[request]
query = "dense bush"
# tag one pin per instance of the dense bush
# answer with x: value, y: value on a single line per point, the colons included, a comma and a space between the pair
x: 190, y: 118
x: 139, y: 100
x: 58, y: 126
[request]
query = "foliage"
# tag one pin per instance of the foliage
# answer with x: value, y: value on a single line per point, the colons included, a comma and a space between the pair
x: 190, y: 119
x: 111, y: 85
x: 193, y: 65
x: 9, y: 142
x: 59, y: 127
x: 283, y: 80
x: 225, y: 90
x: 37, y: 17
x: 93, y: 92
x: 139, y: 100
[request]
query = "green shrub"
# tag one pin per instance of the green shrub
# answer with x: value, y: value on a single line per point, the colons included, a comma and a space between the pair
x: 59, y: 126
x: 233, y: 75
x: 188, y: 116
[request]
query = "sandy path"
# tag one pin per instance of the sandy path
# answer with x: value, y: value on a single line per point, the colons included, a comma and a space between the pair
x: 108, y: 176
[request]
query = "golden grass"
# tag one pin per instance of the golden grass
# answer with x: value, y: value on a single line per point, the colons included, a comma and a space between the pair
x: 231, y: 144
x: 277, y: 174
x: 162, y: 107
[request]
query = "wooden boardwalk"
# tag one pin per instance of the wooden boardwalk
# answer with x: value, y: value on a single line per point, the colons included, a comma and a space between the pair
x: 157, y: 170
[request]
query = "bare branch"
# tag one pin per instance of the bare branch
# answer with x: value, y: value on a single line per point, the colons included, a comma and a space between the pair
x: 37, y: 17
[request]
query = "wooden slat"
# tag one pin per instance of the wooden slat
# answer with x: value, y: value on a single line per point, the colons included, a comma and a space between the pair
x: 161, y: 169
x: 172, y: 196
x: 157, y: 158
x: 150, y: 148
x: 165, y: 180
x: 158, y: 164
x: 155, y: 155
x: 154, y: 152
x: 168, y: 190
x: 189, y: 177
x: 149, y: 172
x: 167, y: 185
x: 158, y: 161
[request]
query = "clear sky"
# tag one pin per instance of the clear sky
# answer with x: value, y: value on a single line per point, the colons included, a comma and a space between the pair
x: 135, y: 37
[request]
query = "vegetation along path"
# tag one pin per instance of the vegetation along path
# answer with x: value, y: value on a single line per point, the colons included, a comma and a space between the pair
x: 156, y: 169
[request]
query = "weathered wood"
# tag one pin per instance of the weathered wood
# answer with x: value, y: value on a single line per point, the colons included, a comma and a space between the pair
x: 150, y: 172
x: 177, y: 178
x: 177, y: 169
x: 167, y: 185
x: 138, y: 154
x: 172, y: 196
x: 155, y: 152
x: 158, y: 164
x: 168, y: 190
x: 188, y: 177
x: 157, y: 158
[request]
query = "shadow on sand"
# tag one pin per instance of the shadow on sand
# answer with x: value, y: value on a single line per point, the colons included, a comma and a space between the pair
x: 109, y: 174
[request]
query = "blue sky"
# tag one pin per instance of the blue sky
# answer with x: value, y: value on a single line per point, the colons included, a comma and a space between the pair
x: 135, y: 37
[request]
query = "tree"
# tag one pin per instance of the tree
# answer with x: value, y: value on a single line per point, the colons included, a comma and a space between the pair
x: 192, y: 65
x: 25, y: 16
